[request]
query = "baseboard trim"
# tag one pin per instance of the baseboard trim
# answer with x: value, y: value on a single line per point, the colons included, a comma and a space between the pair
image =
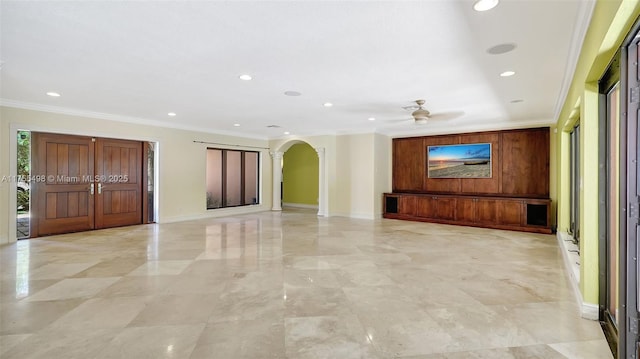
x: 353, y: 215
x: 215, y: 213
x: 300, y: 205
x: 571, y: 261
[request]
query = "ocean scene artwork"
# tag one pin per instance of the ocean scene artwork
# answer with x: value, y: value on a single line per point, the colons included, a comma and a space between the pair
x: 459, y: 161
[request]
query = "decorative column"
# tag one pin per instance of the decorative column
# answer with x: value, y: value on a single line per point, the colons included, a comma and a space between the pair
x: 277, y: 180
x: 323, y: 208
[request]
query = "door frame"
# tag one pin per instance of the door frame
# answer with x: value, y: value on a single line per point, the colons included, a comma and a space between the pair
x: 611, y: 78
x: 13, y: 164
x: 628, y: 344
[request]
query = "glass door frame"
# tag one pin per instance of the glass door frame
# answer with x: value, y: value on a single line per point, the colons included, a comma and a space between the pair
x: 574, y: 179
x: 629, y: 343
x: 608, y: 83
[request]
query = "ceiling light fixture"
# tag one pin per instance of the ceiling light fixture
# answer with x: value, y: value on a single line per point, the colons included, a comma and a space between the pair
x: 292, y: 93
x: 327, y: 104
x: 507, y: 73
x: 171, y: 114
x: 371, y: 119
x: 245, y: 77
x: 287, y: 132
x: 236, y: 125
x: 484, y: 5
x: 53, y: 94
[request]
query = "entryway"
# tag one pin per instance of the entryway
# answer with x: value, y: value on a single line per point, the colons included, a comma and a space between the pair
x: 82, y: 183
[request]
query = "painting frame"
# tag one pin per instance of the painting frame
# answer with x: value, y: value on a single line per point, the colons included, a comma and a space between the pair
x: 466, y: 160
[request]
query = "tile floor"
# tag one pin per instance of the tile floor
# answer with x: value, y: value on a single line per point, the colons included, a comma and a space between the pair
x: 291, y: 285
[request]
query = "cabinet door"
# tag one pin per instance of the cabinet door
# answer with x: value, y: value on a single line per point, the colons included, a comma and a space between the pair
x: 408, y: 164
x: 446, y: 208
x: 487, y: 212
x: 466, y: 210
x: 426, y: 207
x: 510, y: 212
x: 407, y: 205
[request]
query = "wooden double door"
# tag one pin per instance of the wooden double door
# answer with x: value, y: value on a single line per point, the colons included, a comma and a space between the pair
x: 82, y: 183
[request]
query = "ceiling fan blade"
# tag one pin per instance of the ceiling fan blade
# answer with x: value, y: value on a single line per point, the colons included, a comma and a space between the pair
x: 446, y: 115
x: 397, y: 120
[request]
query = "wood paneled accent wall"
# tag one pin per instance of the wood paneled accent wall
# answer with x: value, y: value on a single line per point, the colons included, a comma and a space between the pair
x: 520, y: 164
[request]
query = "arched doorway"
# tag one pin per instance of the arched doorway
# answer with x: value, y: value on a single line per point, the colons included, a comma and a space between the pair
x: 278, y: 156
x: 300, y: 177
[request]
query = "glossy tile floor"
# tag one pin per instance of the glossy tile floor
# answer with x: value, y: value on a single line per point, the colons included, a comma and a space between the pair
x: 291, y: 285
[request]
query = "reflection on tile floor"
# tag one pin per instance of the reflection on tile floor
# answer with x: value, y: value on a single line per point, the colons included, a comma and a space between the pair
x: 291, y: 285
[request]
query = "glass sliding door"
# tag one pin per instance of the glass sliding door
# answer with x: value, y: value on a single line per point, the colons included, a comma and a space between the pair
x: 574, y: 193
x: 610, y: 178
x: 613, y: 204
x: 629, y: 301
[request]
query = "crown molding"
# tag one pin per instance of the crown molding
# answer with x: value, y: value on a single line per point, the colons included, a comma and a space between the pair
x: 120, y: 118
x: 585, y: 12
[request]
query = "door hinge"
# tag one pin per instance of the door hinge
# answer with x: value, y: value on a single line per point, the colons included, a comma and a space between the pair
x: 634, y: 95
x: 633, y: 208
x: 634, y: 323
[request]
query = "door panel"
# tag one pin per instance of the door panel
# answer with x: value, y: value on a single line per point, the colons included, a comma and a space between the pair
x: 629, y: 247
x: 119, y: 187
x: 486, y: 211
x: 510, y: 213
x: 61, y: 167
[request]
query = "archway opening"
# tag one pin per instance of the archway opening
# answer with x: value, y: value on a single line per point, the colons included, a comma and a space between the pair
x: 300, y: 177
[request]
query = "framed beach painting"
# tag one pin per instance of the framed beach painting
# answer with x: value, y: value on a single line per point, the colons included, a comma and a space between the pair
x: 459, y: 161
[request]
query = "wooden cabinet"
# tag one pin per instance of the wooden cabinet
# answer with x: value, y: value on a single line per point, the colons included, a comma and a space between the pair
x: 487, y: 211
x: 466, y: 209
x: 407, y: 205
x: 436, y: 207
x: 520, y: 214
x: 519, y: 164
x: 510, y: 212
x: 408, y: 164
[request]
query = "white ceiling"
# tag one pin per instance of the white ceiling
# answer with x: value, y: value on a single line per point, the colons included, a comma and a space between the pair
x: 137, y: 61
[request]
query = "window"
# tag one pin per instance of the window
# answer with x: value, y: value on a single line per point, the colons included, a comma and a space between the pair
x: 232, y: 178
x: 574, y: 175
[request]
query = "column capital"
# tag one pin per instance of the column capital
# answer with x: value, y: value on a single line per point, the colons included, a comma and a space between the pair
x: 276, y: 154
x: 319, y: 151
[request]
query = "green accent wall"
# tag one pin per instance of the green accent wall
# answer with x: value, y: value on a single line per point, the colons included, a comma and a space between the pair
x: 610, y: 24
x: 300, y: 175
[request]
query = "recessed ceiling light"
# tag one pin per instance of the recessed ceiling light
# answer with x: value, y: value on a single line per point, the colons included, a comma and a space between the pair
x: 327, y: 104
x: 484, y: 5
x: 501, y: 49
x: 236, y: 124
x: 517, y: 101
x: 508, y: 73
x: 171, y: 114
x: 287, y: 132
x: 292, y: 93
x: 53, y: 94
x: 371, y: 119
x: 245, y: 77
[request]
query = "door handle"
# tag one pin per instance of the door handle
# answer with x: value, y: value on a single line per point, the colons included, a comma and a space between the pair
x: 99, y: 188
x: 91, y: 189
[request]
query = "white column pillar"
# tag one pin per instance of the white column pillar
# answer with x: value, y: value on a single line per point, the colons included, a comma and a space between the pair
x: 323, y: 205
x: 277, y: 180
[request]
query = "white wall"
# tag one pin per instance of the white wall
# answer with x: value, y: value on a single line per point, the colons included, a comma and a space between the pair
x: 355, y: 176
x: 382, y: 167
x: 181, y: 181
x: 358, y: 171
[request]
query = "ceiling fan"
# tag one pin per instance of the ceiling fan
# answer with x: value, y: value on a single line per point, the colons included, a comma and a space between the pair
x: 421, y: 115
